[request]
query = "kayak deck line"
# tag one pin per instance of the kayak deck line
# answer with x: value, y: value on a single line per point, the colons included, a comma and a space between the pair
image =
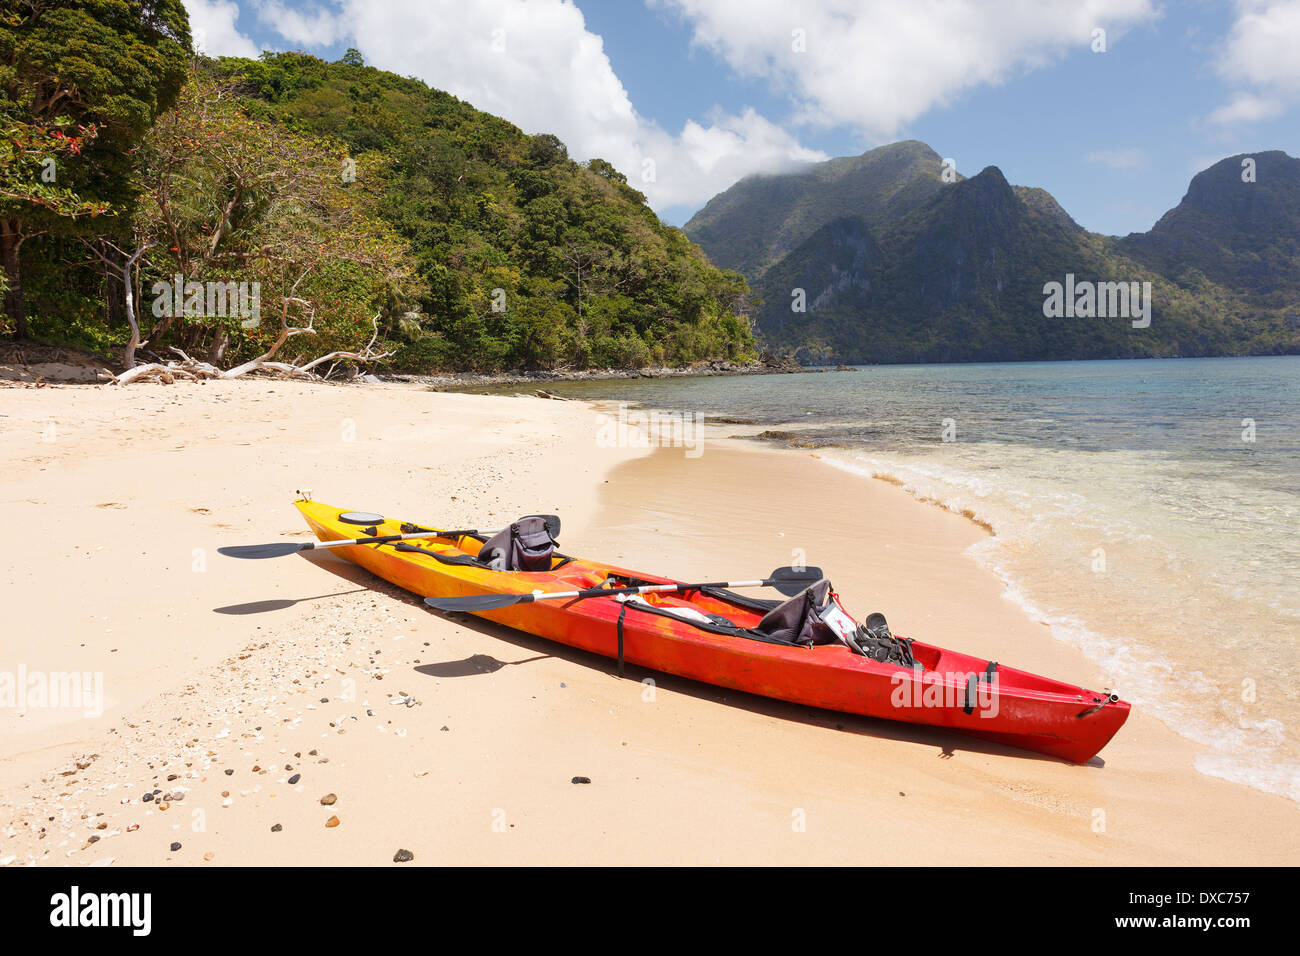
x: 947, y: 689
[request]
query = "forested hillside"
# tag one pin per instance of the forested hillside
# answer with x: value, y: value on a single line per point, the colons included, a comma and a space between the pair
x: 878, y: 258
x: 362, y: 208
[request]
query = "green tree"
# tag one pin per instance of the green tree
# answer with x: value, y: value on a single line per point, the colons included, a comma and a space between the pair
x: 228, y: 198
x: 107, y: 65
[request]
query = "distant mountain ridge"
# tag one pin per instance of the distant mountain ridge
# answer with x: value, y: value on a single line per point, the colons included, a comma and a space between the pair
x: 875, y: 258
x: 762, y: 218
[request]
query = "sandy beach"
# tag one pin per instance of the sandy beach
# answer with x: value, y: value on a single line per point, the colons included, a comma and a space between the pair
x: 240, y: 695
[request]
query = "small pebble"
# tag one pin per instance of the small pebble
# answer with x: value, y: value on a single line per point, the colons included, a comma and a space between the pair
x: 328, y: 800
x: 175, y: 847
x: 403, y: 856
x: 582, y: 780
x: 332, y: 822
x: 277, y: 828
x: 295, y: 778
x: 147, y: 798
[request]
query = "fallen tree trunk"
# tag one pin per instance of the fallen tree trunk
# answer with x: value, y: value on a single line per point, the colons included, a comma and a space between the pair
x: 194, y: 370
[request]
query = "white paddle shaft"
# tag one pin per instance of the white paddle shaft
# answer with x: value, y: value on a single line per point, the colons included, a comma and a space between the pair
x: 645, y: 589
x: 385, y: 538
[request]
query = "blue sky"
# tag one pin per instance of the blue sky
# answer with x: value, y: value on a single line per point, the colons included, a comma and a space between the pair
x: 696, y: 93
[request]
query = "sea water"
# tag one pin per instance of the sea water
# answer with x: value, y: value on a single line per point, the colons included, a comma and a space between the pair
x: 1148, y: 511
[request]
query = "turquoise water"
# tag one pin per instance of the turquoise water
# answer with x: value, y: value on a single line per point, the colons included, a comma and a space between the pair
x: 1148, y: 511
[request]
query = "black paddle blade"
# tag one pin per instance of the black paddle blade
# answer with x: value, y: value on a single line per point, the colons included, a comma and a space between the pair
x: 262, y: 550
x: 790, y: 581
x: 476, y: 602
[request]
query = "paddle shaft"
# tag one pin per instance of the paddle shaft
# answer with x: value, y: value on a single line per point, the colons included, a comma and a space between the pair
x: 389, y: 538
x: 643, y: 589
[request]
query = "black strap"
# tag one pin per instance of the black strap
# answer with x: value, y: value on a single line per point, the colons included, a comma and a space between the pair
x: 459, y: 559
x: 717, y: 624
x: 972, y: 682
x: 1098, y: 704
x: 408, y: 528
x: 741, y: 600
x: 621, y: 611
x: 465, y: 559
x: 972, y: 686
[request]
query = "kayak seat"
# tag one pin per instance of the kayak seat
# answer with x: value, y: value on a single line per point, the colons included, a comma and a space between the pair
x: 526, y: 545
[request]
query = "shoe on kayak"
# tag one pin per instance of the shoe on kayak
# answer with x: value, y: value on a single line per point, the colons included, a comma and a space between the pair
x: 807, y: 650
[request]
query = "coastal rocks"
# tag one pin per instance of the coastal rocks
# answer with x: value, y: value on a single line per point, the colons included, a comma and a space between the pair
x: 768, y: 364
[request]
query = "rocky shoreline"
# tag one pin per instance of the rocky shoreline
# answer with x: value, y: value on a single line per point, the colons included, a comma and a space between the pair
x: 457, y: 381
x: 33, y: 362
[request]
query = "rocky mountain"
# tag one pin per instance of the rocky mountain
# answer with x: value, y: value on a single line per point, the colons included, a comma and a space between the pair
x: 877, y: 258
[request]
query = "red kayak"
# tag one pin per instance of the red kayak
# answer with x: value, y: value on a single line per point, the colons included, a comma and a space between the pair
x: 807, y: 649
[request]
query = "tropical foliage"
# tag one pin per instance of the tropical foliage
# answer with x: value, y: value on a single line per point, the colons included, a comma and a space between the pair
x: 80, y: 82
x: 346, y: 193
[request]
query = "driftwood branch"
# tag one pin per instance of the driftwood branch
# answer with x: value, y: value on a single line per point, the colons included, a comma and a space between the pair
x: 194, y: 370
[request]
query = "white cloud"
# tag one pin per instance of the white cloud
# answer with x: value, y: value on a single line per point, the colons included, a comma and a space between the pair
x: 212, y: 25
x: 1261, y: 54
x: 302, y: 27
x: 878, y: 64
x: 534, y: 63
x: 1128, y: 158
x: 1247, y: 108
